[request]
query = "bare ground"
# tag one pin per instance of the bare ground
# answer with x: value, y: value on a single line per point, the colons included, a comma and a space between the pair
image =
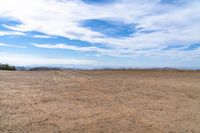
x: 100, y: 101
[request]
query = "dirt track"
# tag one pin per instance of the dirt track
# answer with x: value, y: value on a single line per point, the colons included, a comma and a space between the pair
x: 100, y: 101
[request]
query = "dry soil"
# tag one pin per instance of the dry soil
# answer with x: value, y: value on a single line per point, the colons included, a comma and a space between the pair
x: 100, y: 102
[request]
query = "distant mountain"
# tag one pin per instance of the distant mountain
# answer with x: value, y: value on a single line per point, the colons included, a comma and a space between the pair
x: 164, y: 68
x: 43, y: 69
x: 21, y: 68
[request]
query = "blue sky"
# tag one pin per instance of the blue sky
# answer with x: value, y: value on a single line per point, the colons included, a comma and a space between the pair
x: 100, y: 33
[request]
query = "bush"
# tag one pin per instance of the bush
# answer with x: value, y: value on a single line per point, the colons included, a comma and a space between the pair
x: 7, y: 67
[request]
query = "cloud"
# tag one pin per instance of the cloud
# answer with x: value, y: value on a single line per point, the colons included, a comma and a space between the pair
x: 12, y: 46
x: 102, y: 51
x: 26, y: 60
x: 41, y: 36
x: 70, y: 47
x: 159, y: 23
x: 164, y: 52
x: 11, y: 33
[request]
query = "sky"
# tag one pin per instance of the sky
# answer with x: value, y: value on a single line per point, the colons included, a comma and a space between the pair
x: 100, y: 33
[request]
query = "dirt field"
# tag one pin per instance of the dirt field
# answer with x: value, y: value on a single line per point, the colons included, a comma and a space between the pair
x: 100, y: 101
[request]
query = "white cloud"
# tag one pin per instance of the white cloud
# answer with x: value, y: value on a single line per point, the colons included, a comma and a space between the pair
x: 13, y: 46
x: 25, y: 60
x: 6, y: 33
x: 178, y: 53
x: 70, y: 47
x: 41, y: 36
x: 173, y: 24
x: 102, y: 51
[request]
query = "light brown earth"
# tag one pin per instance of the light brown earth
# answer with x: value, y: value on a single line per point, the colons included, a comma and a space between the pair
x: 100, y: 102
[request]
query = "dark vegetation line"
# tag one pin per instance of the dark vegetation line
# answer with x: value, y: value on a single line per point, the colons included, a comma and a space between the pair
x: 7, y: 67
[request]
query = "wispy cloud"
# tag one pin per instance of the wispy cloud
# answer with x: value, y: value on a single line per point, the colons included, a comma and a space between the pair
x: 41, y: 36
x: 160, y: 52
x: 26, y: 60
x: 11, y: 33
x: 12, y: 46
x: 70, y: 47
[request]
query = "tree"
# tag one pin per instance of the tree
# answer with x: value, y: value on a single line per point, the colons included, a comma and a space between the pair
x: 7, y: 67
